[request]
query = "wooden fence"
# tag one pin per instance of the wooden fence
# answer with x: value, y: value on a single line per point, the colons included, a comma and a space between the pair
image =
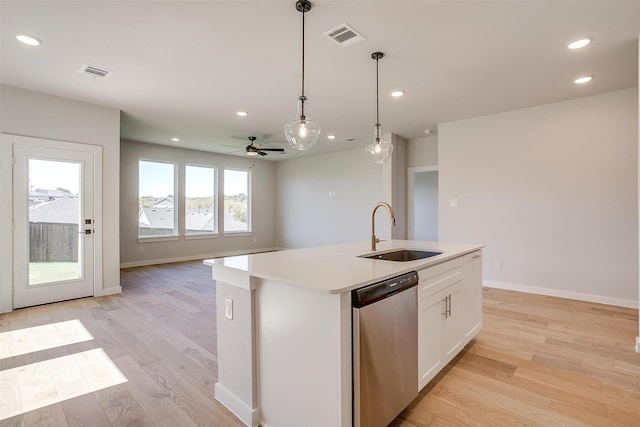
x: 53, y: 242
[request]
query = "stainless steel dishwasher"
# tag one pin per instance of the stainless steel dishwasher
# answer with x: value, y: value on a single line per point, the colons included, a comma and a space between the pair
x: 385, y: 349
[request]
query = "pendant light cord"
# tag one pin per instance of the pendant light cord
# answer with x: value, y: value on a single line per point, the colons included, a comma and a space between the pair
x: 377, y: 96
x: 302, y: 98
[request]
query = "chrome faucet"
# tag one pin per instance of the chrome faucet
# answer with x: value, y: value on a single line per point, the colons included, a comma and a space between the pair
x: 374, y: 239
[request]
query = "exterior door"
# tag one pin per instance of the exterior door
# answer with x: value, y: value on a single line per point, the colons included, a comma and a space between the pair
x: 53, y: 211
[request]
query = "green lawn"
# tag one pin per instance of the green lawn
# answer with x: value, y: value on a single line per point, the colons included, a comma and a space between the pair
x: 45, y: 272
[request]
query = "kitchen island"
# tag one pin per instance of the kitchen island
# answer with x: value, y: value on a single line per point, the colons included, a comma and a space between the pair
x: 284, y: 324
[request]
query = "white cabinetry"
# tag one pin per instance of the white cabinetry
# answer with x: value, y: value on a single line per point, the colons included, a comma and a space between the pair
x: 449, y: 312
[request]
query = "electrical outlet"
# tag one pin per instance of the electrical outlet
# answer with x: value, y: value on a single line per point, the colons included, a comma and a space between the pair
x: 453, y: 203
x: 228, y: 308
x: 497, y: 264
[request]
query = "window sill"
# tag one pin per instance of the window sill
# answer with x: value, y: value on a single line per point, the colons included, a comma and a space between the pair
x: 237, y: 233
x: 201, y: 236
x: 151, y: 239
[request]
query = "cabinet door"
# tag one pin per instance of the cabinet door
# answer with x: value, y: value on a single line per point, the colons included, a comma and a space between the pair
x: 430, y: 318
x: 472, y: 295
x: 453, y: 323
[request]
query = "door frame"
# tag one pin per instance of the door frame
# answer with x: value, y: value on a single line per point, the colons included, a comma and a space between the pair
x: 411, y: 176
x: 6, y: 209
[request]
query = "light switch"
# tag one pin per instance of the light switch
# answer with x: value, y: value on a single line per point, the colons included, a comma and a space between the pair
x: 228, y: 308
x: 453, y: 202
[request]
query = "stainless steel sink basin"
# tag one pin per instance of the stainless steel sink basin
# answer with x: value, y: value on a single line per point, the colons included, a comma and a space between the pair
x: 402, y: 255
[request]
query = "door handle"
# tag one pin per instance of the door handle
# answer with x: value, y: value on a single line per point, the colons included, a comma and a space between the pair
x: 445, y: 307
x: 449, y: 309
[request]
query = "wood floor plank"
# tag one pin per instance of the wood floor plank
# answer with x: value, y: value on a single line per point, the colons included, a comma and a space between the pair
x: 538, y: 361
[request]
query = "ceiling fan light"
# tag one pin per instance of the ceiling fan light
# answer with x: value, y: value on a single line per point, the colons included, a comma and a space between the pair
x: 252, y: 153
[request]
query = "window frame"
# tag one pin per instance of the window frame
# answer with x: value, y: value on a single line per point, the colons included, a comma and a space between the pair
x: 249, y: 229
x: 216, y: 227
x: 175, y: 235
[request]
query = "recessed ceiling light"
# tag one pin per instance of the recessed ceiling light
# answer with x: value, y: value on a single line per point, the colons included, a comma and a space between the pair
x: 331, y: 137
x: 29, y: 40
x: 577, y: 44
x: 583, y: 80
x: 242, y: 113
x: 175, y: 139
x: 397, y: 93
x: 428, y: 131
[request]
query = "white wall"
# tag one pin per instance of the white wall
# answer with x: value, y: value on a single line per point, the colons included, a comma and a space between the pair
x: 422, y: 151
x: 44, y: 116
x: 552, y: 191
x: 262, y: 205
x: 308, y: 212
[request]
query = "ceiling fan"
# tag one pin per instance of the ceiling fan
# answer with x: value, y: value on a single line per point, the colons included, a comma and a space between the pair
x: 254, y: 150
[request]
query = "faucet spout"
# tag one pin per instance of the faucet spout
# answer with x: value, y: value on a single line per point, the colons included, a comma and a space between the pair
x: 374, y: 239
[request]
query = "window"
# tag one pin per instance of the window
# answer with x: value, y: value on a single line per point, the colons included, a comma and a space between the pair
x: 237, y: 206
x: 200, y: 200
x: 156, y: 203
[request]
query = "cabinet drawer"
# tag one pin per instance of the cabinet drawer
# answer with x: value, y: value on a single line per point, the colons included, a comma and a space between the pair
x: 438, y: 277
x: 473, y: 256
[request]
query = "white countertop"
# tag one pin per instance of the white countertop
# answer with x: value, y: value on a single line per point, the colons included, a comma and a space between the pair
x: 336, y: 268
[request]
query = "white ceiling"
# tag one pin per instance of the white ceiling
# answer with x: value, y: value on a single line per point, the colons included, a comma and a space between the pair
x: 183, y: 68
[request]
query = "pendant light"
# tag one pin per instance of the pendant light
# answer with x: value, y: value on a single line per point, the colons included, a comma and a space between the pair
x: 302, y: 133
x: 379, y: 150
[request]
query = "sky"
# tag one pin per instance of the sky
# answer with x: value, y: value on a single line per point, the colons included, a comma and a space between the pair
x: 159, y: 180
x: 49, y: 175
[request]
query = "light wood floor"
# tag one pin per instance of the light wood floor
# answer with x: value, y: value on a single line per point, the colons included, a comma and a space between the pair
x: 538, y: 361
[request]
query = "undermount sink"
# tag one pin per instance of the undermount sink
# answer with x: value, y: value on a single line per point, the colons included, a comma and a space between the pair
x: 401, y: 255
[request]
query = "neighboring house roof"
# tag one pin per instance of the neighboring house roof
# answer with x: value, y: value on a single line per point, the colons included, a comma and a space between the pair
x: 156, y: 218
x: 199, y: 219
x: 195, y: 219
x: 40, y: 193
x: 65, y: 210
x: 232, y: 224
x: 167, y: 202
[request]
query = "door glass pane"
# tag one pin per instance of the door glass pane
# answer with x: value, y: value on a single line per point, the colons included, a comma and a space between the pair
x: 54, y: 221
x: 237, y: 213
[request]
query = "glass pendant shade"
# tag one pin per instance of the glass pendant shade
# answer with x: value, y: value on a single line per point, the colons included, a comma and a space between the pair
x: 379, y: 150
x: 302, y: 134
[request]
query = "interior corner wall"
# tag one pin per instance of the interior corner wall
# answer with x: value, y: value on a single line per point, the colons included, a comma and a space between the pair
x: 552, y: 192
x: 326, y: 198
x: 262, y: 236
x: 33, y: 114
x: 394, y: 176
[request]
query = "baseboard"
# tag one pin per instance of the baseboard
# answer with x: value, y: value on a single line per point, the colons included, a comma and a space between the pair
x: 562, y: 294
x: 194, y: 257
x: 109, y: 291
x: 249, y: 416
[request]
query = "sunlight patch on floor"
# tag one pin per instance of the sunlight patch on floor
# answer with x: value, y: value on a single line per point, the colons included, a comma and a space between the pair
x: 43, y: 337
x: 40, y: 384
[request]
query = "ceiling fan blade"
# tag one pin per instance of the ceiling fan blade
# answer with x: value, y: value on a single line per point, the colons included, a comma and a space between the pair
x: 273, y: 149
x: 262, y: 153
x: 232, y: 146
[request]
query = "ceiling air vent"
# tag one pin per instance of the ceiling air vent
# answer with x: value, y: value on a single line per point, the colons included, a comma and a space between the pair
x: 95, y: 72
x: 345, y: 35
